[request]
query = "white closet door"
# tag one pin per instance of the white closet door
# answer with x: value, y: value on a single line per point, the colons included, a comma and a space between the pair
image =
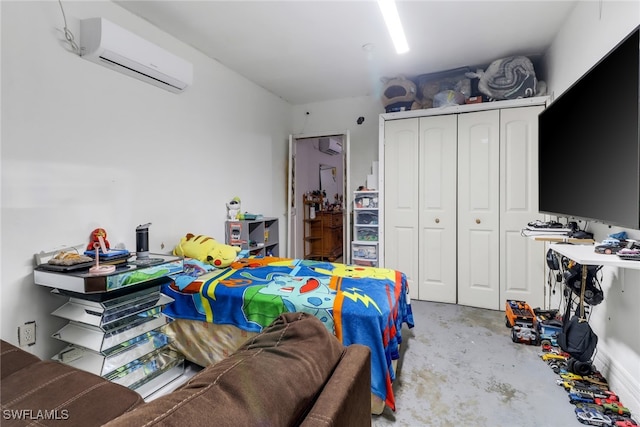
x: 437, y: 222
x: 478, y: 209
x: 522, y: 260
x: 401, y: 198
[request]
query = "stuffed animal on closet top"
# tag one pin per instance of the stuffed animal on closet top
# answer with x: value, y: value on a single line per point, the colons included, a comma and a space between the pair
x: 206, y: 249
x: 509, y: 78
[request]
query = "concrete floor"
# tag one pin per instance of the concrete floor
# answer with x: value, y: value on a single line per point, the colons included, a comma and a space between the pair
x: 460, y: 368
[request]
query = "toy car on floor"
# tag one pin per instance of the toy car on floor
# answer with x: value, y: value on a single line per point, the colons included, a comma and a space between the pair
x: 545, y: 315
x: 626, y: 422
x: 552, y: 356
x: 598, y: 395
x: 599, y: 390
x: 525, y: 335
x: 550, y: 340
x: 597, y: 379
x: 587, y: 387
x: 607, y: 397
x: 569, y: 376
x: 577, y: 397
x: 592, y: 417
x: 567, y: 385
x: 593, y: 406
x: 558, y: 365
x: 519, y: 313
x: 615, y: 408
x: 545, y: 346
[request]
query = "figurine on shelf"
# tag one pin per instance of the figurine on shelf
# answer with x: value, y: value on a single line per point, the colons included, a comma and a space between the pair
x: 100, y: 269
x: 233, y: 208
x: 99, y: 235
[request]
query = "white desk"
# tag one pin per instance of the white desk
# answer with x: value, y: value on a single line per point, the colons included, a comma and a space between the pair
x: 585, y: 255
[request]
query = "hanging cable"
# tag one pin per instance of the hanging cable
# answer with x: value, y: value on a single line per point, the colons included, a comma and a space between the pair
x: 67, y: 33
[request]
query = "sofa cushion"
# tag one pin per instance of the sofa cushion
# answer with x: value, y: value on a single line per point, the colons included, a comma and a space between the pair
x: 55, y: 394
x: 273, y: 379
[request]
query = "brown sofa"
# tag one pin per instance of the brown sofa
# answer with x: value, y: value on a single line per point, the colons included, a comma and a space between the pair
x: 293, y: 373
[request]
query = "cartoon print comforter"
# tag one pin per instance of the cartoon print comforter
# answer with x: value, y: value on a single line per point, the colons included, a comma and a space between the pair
x: 363, y: 305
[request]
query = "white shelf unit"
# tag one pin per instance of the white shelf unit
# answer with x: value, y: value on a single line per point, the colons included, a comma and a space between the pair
x: 364, y: 247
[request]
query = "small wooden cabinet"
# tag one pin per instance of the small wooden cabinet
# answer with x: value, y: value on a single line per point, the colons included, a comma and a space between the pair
x: 331, y: 235
x: 322, y: 233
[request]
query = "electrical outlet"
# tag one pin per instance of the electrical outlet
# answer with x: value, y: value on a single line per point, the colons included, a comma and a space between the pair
x: 27, y: 334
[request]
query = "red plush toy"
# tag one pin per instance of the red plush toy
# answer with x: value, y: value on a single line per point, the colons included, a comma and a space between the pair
x: 97, y: 235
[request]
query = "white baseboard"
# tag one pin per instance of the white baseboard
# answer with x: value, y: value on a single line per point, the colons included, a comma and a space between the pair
x: 620, y: 382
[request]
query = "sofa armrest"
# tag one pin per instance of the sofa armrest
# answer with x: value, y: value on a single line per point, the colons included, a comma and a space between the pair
x: 14, y: 359
x: 346, y: 398
x: 48, y: 393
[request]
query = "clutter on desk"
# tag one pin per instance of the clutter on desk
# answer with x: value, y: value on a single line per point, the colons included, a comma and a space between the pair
x: 319, y: 200
x: 618, y: 244
x: 100, y: 247
x: 249, y: 216
x: 98, y: 269
x: 68, y: 258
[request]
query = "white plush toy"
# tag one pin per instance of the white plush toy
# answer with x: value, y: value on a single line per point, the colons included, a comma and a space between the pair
x: 233, y: 208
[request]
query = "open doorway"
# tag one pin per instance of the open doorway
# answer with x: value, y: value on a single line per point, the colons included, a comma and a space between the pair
x: 318, y: 166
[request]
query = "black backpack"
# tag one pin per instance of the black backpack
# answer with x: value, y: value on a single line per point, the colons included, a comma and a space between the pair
x: 577, y: 338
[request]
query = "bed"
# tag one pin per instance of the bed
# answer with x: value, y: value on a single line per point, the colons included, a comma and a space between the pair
x: 216, y: 310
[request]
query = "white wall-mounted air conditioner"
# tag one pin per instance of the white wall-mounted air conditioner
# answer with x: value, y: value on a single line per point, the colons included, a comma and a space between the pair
x: 105, y: 43
x: 330, y: 145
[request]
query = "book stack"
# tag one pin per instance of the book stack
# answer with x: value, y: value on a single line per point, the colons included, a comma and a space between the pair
x: 111, y: 256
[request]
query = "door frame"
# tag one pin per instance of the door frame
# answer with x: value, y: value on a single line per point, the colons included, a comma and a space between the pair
x: 295, y: 245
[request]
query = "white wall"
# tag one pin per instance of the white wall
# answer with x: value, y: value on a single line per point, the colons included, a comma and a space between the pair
x: 338, y: 116
x: 84, y: 147
x: 593, y: 29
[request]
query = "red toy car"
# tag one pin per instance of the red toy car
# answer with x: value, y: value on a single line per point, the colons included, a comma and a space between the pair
x: 611, y: 398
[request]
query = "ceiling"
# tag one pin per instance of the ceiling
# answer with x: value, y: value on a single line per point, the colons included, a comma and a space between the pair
x: 312, y: 51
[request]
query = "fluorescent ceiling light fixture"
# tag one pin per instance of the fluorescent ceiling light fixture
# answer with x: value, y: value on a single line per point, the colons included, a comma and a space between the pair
x: 394, y: 26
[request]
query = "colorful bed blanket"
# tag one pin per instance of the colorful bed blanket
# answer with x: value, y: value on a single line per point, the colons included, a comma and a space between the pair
x: 363, y: 305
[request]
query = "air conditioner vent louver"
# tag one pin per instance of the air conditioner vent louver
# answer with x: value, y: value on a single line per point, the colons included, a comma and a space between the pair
x: 141, y: 75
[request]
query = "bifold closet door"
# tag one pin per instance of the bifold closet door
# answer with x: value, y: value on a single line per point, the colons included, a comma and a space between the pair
x: 478, y: 209
x: 401, y: 208
x: 420, y: 204
x: 437, y: 222
x: 521, y: 259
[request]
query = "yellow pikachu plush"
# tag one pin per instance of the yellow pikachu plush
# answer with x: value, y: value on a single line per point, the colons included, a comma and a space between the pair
x: 206, y: 249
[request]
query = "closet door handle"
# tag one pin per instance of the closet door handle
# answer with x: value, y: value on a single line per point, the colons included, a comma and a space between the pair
x: 478, y: 221
x: 437, y: 220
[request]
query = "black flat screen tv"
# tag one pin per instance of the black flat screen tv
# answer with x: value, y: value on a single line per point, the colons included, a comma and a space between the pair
x: 589, y: 143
